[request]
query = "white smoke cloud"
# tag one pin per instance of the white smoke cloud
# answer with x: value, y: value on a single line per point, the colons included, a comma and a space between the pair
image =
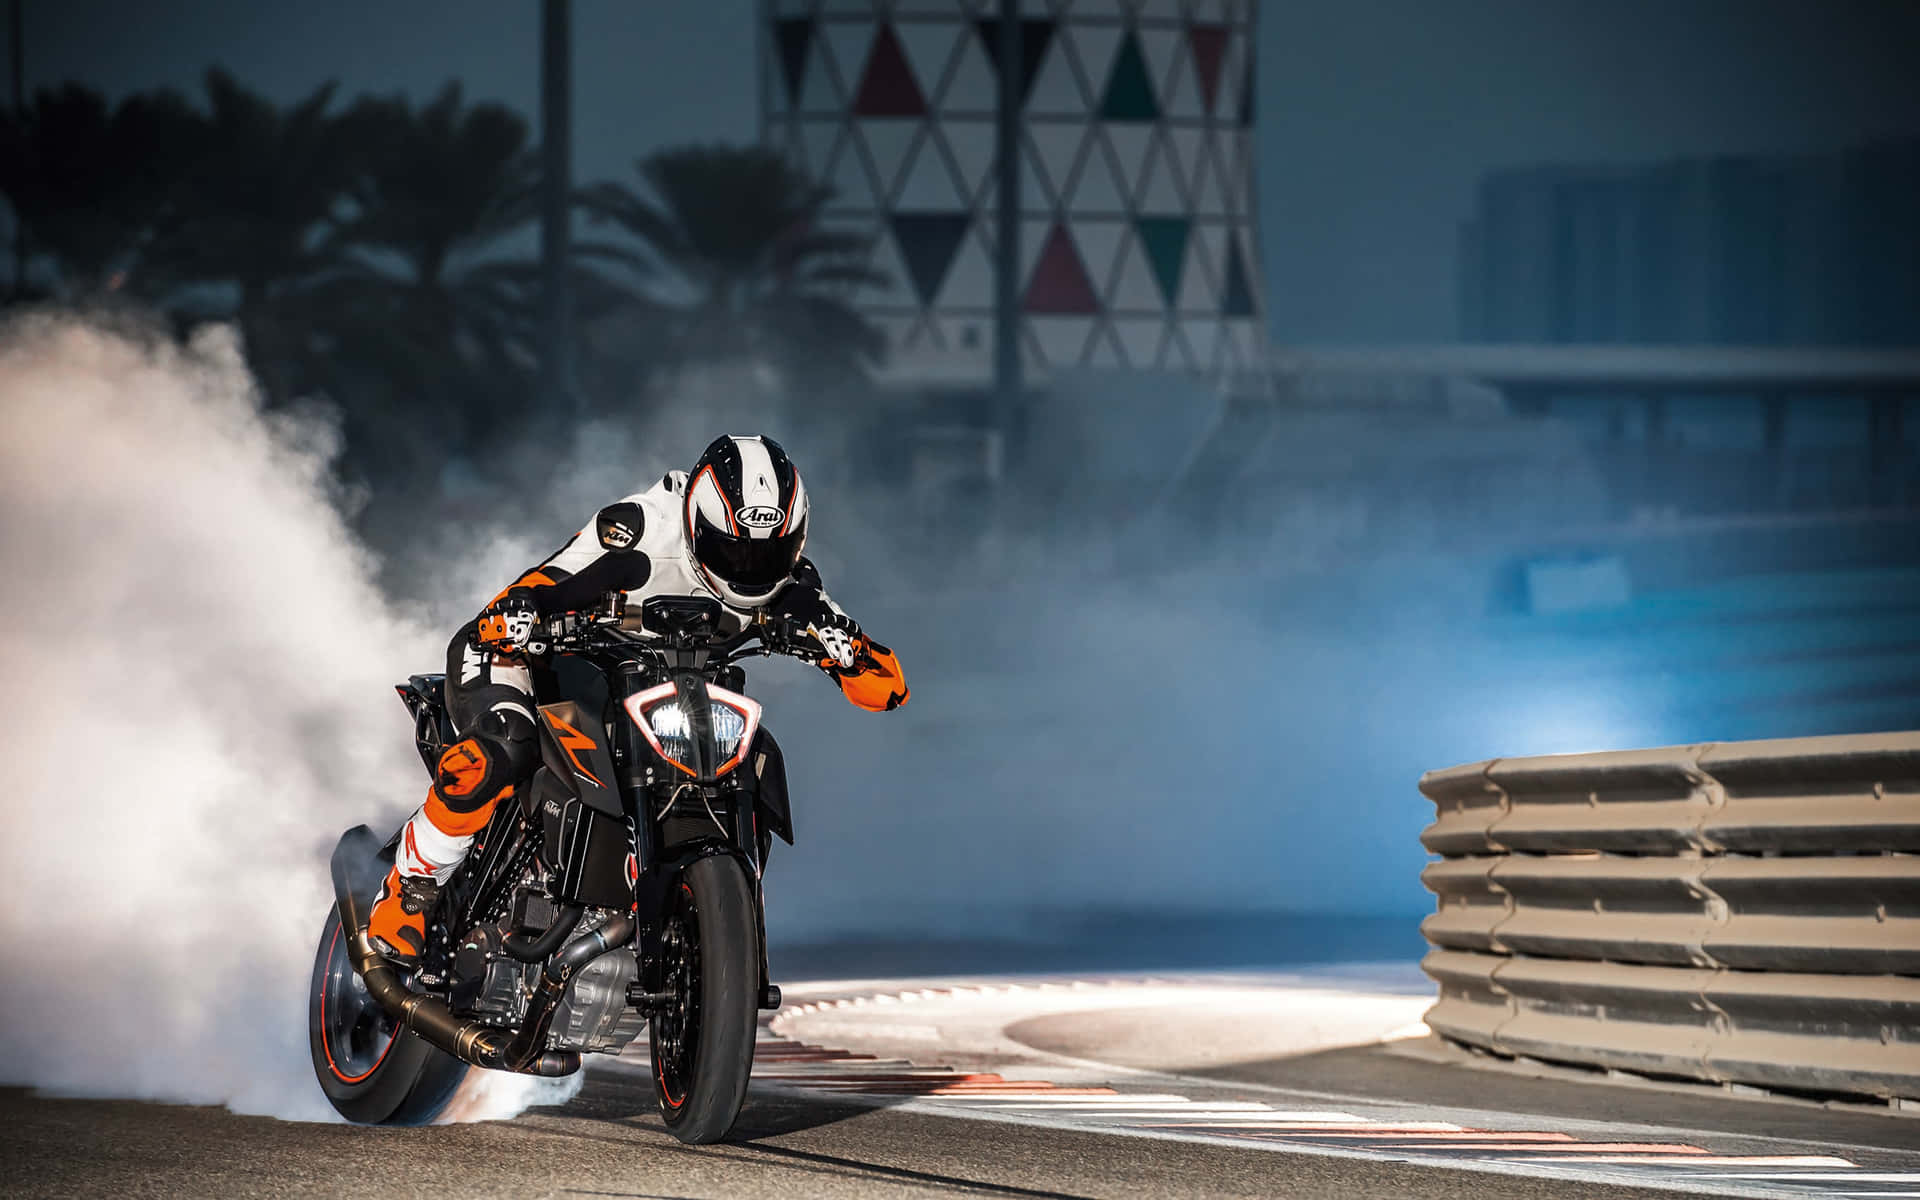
x: 201, y: 669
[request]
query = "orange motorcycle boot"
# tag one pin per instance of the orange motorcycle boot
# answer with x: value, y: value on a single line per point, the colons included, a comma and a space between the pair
x: 397, y: 927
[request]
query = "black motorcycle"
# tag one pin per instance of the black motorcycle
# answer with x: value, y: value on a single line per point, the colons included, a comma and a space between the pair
x: 618, y: 890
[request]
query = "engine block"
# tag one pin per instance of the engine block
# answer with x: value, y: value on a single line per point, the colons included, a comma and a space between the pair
x: 594, y: 1014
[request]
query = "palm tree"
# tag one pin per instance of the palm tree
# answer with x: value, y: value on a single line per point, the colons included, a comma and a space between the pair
x: 441, y: 191
x: 250, y: 236
x: 92, y: 183
x: 752, y: 275
x: 435, y: 191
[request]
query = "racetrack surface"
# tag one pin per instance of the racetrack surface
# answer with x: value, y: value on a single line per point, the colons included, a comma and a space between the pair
x: 1004, y: 1094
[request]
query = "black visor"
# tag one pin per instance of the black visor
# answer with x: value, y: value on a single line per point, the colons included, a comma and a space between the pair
x: 746, y: 564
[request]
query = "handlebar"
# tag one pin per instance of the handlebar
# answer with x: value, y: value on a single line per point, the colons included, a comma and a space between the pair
x: 611, y: 629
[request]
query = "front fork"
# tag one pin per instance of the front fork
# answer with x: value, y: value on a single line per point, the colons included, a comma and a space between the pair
x: 652, y: 889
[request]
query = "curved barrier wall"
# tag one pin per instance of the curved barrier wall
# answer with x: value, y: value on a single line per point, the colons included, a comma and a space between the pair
x: 1744, y: 912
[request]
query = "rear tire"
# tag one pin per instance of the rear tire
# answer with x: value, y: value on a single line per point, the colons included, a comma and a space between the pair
x: 370, y: 1076
x: 703, y: 1050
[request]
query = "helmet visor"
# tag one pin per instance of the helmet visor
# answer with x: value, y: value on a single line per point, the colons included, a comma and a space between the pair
x: 752, y: 566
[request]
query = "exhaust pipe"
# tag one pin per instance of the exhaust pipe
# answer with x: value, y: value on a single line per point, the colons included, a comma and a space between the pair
x: 430, y: 1018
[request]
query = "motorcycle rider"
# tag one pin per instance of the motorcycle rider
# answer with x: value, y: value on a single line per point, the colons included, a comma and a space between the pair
x: 731, y: 529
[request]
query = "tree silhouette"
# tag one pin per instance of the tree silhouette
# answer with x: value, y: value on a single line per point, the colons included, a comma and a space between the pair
x: 746, y: 270
x: 95, y: 184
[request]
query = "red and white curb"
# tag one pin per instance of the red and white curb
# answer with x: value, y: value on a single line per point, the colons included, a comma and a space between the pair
x: 790, y: 1064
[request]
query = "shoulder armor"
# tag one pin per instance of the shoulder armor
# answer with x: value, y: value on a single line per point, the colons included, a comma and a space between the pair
x: 619, y: 526
x: 806, y: 574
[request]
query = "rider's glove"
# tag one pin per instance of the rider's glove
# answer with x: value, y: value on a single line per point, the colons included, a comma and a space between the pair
x: 507, y: 626
x: 840, y: 638
x: 836, y: 632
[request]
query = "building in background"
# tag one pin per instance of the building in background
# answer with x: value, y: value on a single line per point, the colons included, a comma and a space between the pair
x: 1137, y: 242
x: 1814, y: 250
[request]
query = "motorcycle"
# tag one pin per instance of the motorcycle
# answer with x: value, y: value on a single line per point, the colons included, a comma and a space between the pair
x: 619, y: 889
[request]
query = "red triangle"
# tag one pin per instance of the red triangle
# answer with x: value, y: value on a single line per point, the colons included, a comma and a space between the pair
x: 1059, y: 285
x: 1209, y: 47
x: 888, y: 88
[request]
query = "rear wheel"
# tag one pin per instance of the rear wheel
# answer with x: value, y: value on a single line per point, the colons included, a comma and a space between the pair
x: 702, y: 1041
x: 369, y: 1075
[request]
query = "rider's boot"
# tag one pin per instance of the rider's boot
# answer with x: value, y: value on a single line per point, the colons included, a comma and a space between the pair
x: 397, y: 927
x: 433, y: 843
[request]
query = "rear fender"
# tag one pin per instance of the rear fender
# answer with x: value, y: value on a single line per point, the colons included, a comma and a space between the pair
x: 425, y: 698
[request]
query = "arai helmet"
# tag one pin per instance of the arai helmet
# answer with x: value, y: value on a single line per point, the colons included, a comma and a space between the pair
x: 746, y: 514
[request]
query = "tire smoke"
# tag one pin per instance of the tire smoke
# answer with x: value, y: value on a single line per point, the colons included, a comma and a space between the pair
x: 203, y: 669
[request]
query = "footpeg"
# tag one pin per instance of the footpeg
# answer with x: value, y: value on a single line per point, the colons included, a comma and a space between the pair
x: 770, y: 997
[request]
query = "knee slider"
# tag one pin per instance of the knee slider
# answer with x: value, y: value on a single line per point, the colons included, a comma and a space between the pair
x: 498, y: 749
x: 512, y: 738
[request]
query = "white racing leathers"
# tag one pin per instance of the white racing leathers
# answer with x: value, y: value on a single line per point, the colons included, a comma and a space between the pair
x: 636, y: 546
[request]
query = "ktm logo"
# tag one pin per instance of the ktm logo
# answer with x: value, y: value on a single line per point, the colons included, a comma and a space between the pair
x: 759, y: 516
x: 615, y: 536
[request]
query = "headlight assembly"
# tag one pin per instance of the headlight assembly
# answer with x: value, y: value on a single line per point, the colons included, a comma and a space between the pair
x: 662, y: 717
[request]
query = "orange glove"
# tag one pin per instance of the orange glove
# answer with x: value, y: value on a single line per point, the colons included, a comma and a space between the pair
x: 506, y: 626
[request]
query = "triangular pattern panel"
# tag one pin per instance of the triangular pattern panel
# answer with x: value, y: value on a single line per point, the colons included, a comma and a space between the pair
x: 820, y: 92
x: 929, y: 184
x: 1176, y: 355
x: 889, y: 140
x: 888, y: 87
x: 1038, y: 189
x: 969, y: 86
x: 1203, y: 338
x: 1162, y: 48
x: 1199, y: 290
x: 1130, y: 146
x: 929, y: 47
x: 969, y: 279
x: 1140, y: 339
x: 1058, y: 145
x: 1103, y: 351
x: 971, y: 143
x: 1098, y: 188
x: 1059, y: 285
x: 1093, y: 47
x: 848, y: 43
x: 1182, y: 95
x: 1160, y: 191
x: 1135, y: 289
x: 1063, y: 340
x: 928, y: 244
x: 887, y: 260
x: 1209, y: 46
x: 850, y: 177
x: 1100, y: 243
x: 1056, y: 89
x: 816, y: 145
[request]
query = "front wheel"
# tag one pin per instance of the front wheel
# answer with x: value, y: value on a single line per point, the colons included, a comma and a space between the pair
x: 370, y: 1076
x: 702, y: 1041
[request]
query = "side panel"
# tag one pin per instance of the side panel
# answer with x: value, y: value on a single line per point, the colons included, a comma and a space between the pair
x: 770, y: 785
x: 573, y: 744
x: 592, y: 857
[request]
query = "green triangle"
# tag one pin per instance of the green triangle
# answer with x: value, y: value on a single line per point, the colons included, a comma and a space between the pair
x: 1166, y: 241
x: 1129, y: 91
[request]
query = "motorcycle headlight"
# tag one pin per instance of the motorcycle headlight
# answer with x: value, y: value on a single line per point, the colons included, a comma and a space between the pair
x: 662, y: 717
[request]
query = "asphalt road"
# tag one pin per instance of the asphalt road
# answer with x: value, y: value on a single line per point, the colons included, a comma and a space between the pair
x: 608, y: 1142
x: 999, y: 1090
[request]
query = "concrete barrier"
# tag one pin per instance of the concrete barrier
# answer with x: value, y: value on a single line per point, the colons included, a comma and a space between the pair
x: 1730, y: 913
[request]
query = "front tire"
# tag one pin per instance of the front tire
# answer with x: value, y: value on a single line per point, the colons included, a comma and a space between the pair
x: 370, y: 1076
x: 703, y: 1045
